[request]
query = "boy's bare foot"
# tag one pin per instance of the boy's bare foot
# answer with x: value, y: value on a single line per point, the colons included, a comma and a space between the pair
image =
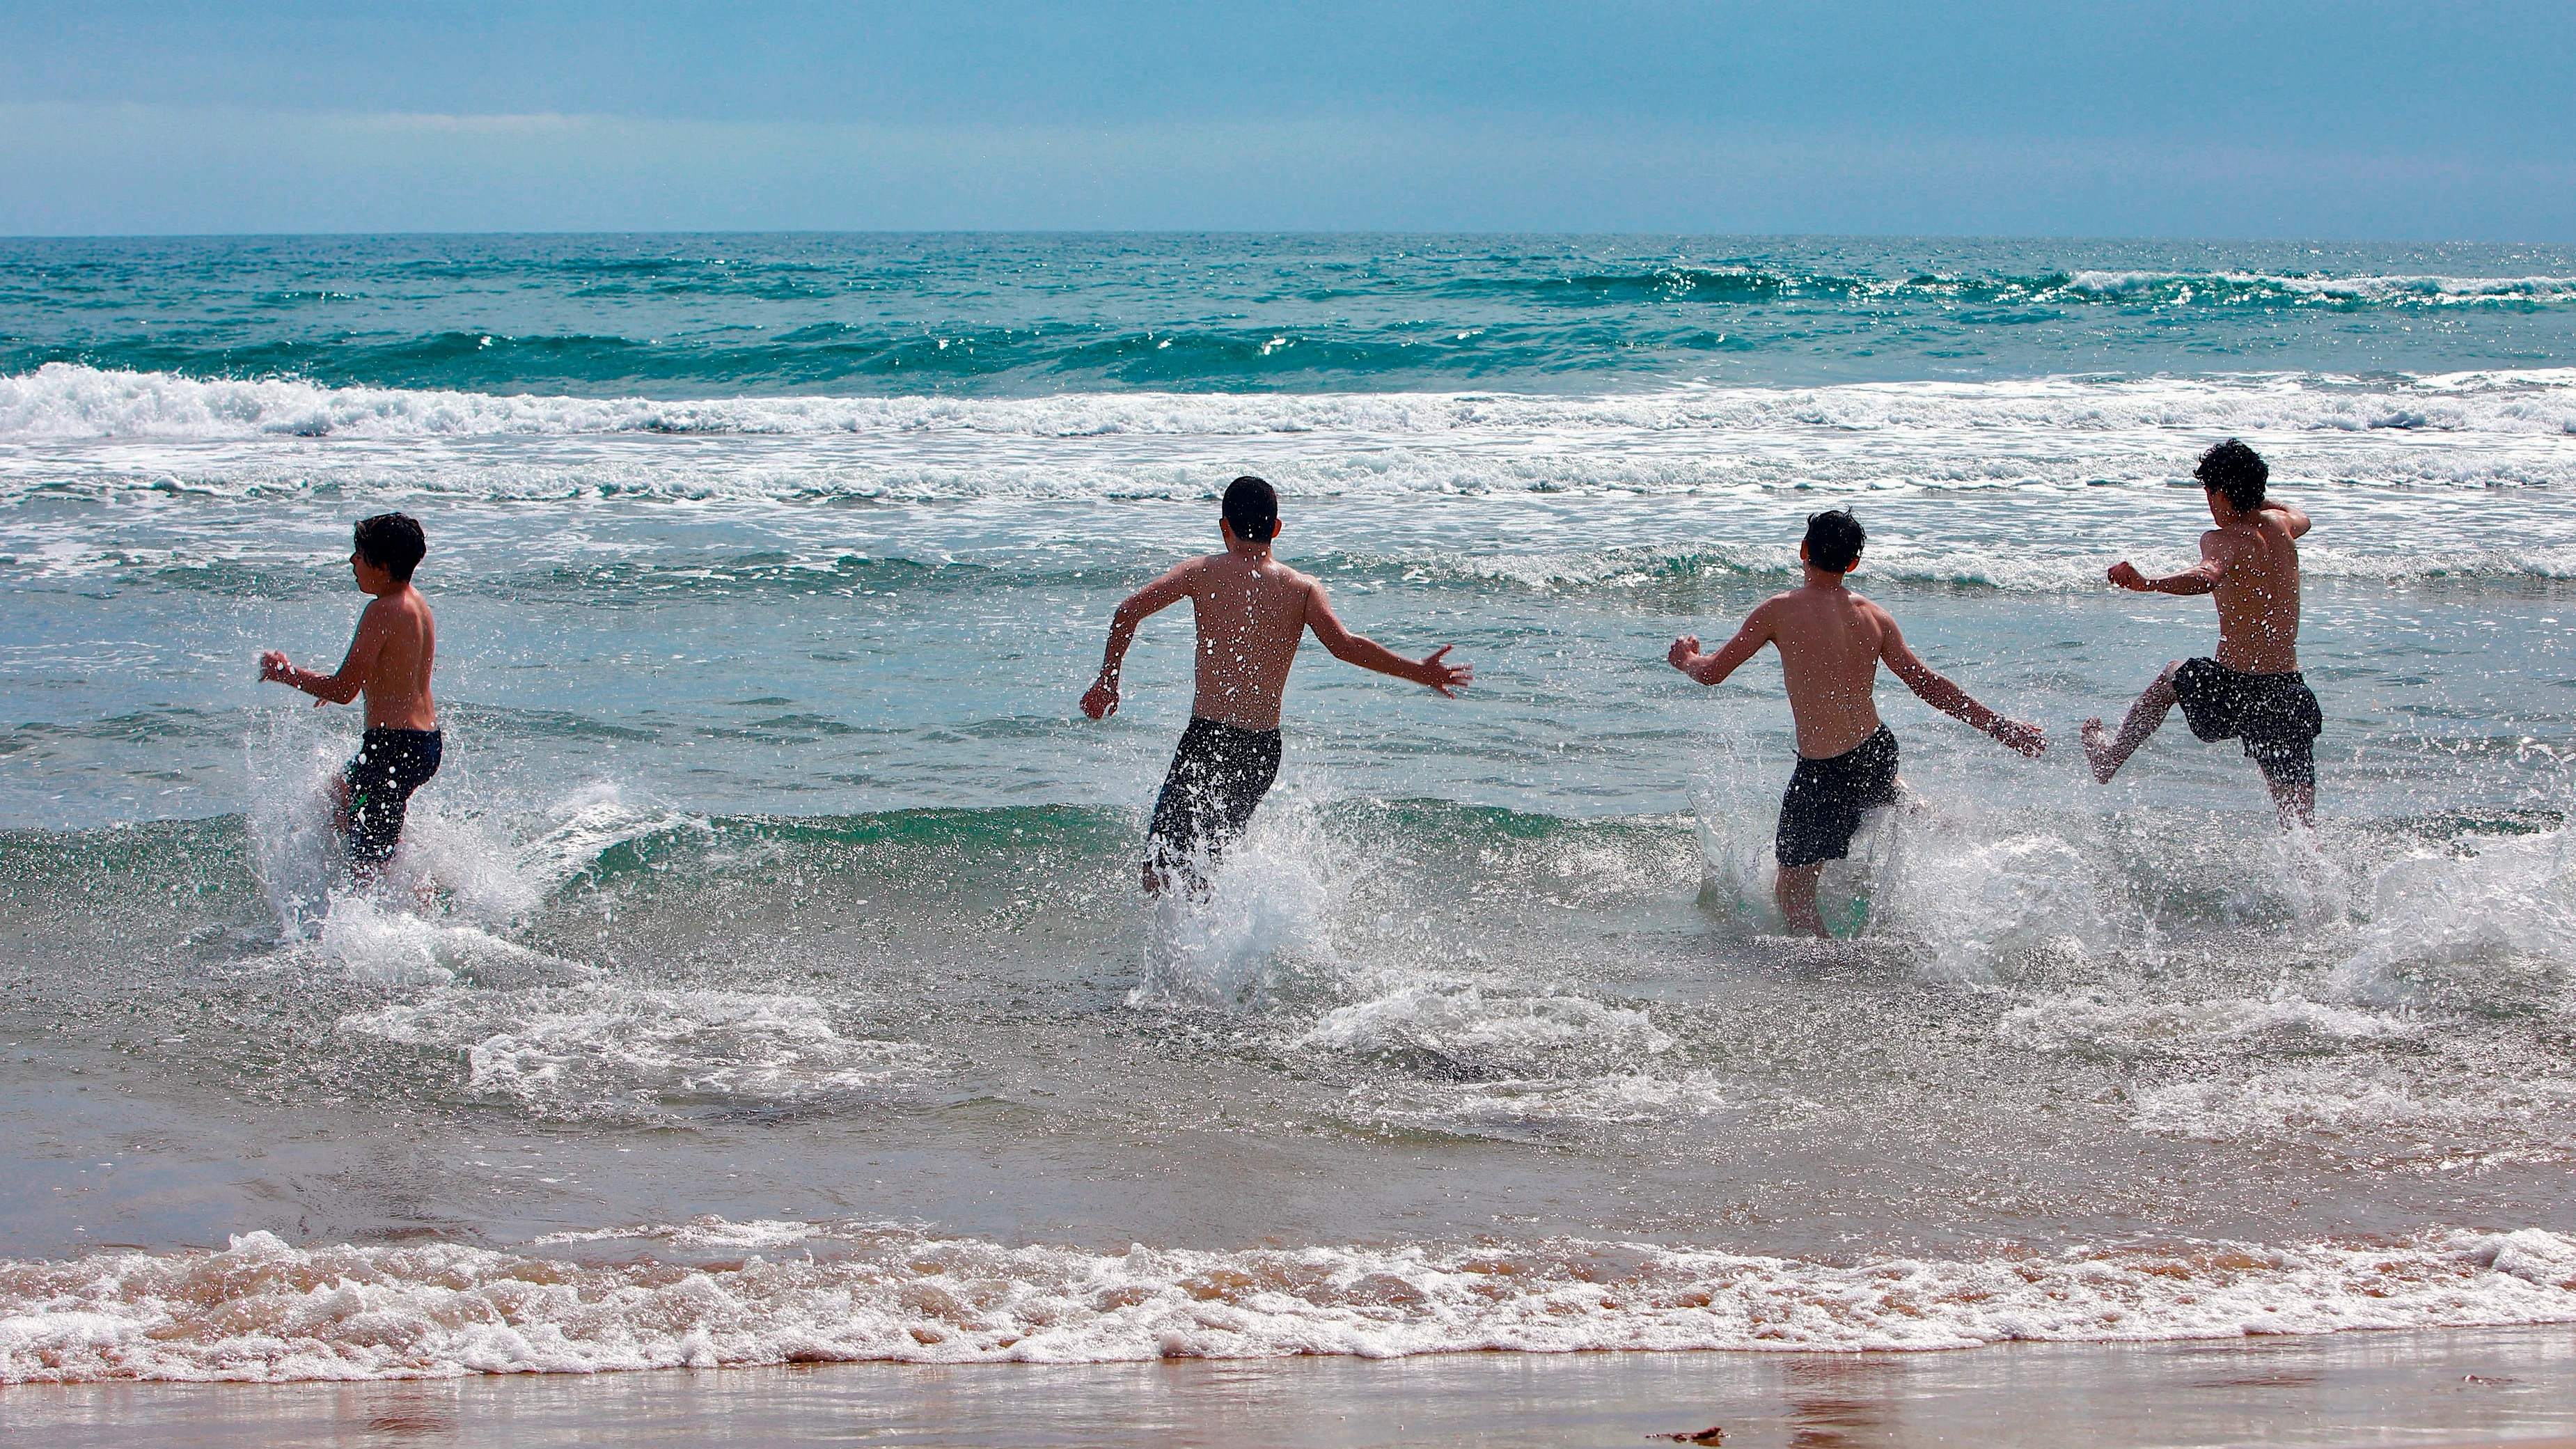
x: 2097, y: 752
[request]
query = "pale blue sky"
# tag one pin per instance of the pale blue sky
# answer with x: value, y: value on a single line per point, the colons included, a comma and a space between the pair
x: 2204, y: 120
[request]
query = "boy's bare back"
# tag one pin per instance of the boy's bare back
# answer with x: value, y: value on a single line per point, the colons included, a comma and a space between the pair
x: 1830, y: 641
x: 389, y: 658
x: 1252, y: 615
x: 395, y: 673
x: 1252, y: 612
x: 2257, y: 593
x: 2249, y: 565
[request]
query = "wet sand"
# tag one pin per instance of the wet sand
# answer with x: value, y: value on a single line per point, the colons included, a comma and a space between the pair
x: 2355, y: 1389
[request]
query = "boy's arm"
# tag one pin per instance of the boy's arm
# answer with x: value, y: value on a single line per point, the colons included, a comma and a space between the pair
x: 2198, y: 579
x: 350, y: 681
x: 1367, y: 653
x: 1953, y: 701
x: 2292, y: 519
x: 1711, y: 668
x: 1102, y: 698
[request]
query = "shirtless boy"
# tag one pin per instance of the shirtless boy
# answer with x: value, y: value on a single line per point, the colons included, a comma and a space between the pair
x: 388, y: 662
x: 1831, y: 642
x: 1253, y: 611
x: 2252, y: 690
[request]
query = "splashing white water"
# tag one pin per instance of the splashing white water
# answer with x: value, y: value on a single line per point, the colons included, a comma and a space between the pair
x: 263, y: 1311
x: 2503, y: 903
x: 600, y: 1049
x: 1264, y: 915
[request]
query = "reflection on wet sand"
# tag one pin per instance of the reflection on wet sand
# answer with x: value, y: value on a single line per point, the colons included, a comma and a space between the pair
x: 2429, y: 1390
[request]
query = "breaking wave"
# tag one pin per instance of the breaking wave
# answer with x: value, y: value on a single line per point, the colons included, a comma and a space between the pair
x: 64, y: 401
x: 719, y: 1293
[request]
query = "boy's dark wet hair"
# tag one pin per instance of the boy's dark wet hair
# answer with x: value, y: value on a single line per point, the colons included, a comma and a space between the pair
x: 1834, y: 540
x: 2237, y: 471
x: 1251, y: 509
x: 392, y: 542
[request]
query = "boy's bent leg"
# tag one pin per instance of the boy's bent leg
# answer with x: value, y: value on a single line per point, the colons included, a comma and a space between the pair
x: 1796, y: 892
x: 338, y: 793
x: 1818, y: 813
x: 2290, y: 773
x: 376, y: 790
x: 2106, y: 754
x: 2296, y: 802
x: 1218, y: 776
x: 1180, y: 813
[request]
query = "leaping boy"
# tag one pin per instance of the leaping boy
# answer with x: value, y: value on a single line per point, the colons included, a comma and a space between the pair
x: 2252, y: 690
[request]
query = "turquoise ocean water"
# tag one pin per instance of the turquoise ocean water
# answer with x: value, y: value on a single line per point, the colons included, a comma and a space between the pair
x: 782, y: 991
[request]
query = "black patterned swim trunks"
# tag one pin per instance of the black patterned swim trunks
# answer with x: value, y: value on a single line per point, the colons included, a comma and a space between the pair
x: 1218, y: 776
x: 2275, y: 715
x: 389, y: 765
x: 1827, y: 798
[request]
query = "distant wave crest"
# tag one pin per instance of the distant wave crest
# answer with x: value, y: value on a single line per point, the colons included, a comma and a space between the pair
x: 1750, y: 284
x: 69, y: 401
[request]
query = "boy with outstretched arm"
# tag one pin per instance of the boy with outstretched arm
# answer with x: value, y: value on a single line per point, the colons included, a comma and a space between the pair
x: 388, y: 662
x: 1252, y: 613
x: 1831, y: 642
x: 2252, y: 690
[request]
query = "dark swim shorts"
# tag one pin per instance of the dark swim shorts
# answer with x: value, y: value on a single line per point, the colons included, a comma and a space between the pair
x: 1827, y: 798
x: 1218, y: 777
x: 2275, y: 715
x: 389, y: 765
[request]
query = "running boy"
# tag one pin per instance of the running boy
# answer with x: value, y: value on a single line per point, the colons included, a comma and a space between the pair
x: 1831, y: 642
x: 388, y: 662
x: 2253, y: 690
x: 1253, y: 611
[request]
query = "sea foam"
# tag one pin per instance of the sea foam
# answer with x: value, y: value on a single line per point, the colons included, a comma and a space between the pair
x: 66, y: 401
x: 715, y: 1294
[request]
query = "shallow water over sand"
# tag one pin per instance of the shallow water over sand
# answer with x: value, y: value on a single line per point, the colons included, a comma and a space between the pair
x: 2376, y: 1389
x: 784, y: 993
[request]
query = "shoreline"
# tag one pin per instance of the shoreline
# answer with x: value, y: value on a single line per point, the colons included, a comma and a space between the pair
x: 2437, y: 1389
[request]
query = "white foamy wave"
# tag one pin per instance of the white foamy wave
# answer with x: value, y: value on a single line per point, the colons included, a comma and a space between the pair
x: 1514, y: 1108
x: 2377, y: 1114
x: 1260, y: 923
x: 1461, y: 1027
x: 1980, y: 907
x: 2023, y: 568
x: 63, y: 401
x: 2091, y: 1021
x: 604, y: 1050
x: 2294, y: 1102
x: 380, y: 944
x: 2505, y: 903
x: 263, y: 1311
x: 493, y: 859
x: 2373, y: 290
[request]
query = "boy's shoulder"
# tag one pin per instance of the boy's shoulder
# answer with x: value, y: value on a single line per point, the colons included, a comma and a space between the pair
x: 2247, y: 534
x: 396, y: 608
x: 1804, y: 598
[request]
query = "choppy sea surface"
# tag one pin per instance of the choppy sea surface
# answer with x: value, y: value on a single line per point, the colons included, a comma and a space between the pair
x: 763, y: 979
